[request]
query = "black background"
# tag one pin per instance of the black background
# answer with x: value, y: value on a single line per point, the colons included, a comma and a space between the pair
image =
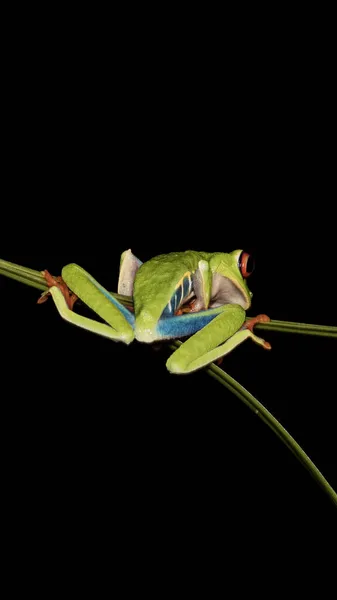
x: 91, y: 421
x: 99, y: 436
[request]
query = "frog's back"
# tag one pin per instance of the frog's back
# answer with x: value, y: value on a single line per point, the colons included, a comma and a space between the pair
x: 156, y: 282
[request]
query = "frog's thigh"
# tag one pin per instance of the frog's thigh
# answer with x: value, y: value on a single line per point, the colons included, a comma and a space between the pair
x: 215, y: 340
x: 95, y: 296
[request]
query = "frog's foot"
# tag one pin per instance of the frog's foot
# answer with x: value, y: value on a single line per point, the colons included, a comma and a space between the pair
x: 250, y: 325
x: 70, y: 298
x: 191, y: 306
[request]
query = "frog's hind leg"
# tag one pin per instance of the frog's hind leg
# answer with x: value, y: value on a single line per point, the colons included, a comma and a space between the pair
x: 223, y: 332
x: 120, y: 321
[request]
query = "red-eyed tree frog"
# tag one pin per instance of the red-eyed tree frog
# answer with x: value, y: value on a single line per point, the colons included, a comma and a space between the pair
x: 200, y: 296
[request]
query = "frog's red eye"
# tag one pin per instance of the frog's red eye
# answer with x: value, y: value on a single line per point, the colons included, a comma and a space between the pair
x: 246, y: 264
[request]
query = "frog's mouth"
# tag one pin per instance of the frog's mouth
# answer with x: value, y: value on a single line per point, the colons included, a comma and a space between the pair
x: 226, y: 291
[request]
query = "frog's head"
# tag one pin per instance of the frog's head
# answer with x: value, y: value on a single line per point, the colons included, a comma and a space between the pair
x: 230, y: 272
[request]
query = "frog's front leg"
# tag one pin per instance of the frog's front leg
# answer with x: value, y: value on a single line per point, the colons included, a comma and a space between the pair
x: 119, y: 320
x: 216, y: 339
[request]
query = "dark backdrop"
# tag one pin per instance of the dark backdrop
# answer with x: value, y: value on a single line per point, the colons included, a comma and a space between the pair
x: 84, y: 413
x: 215, y: 150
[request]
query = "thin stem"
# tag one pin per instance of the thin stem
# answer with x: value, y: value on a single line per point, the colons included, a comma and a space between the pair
x: 23, y: 274
x: 240, y: 392
x: 292, y: 327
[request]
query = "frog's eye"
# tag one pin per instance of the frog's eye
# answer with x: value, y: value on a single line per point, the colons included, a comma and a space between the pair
x: 246, y: 264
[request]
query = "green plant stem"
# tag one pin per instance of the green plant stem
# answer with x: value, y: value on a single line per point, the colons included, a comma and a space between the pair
x: 274, y: 425
x: 292, y: 327
x: 240, y: 392
x: 23, y: 274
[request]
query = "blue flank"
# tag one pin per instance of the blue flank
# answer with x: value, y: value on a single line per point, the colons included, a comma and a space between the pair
x: 182, y: 291
x: 187, y: 324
